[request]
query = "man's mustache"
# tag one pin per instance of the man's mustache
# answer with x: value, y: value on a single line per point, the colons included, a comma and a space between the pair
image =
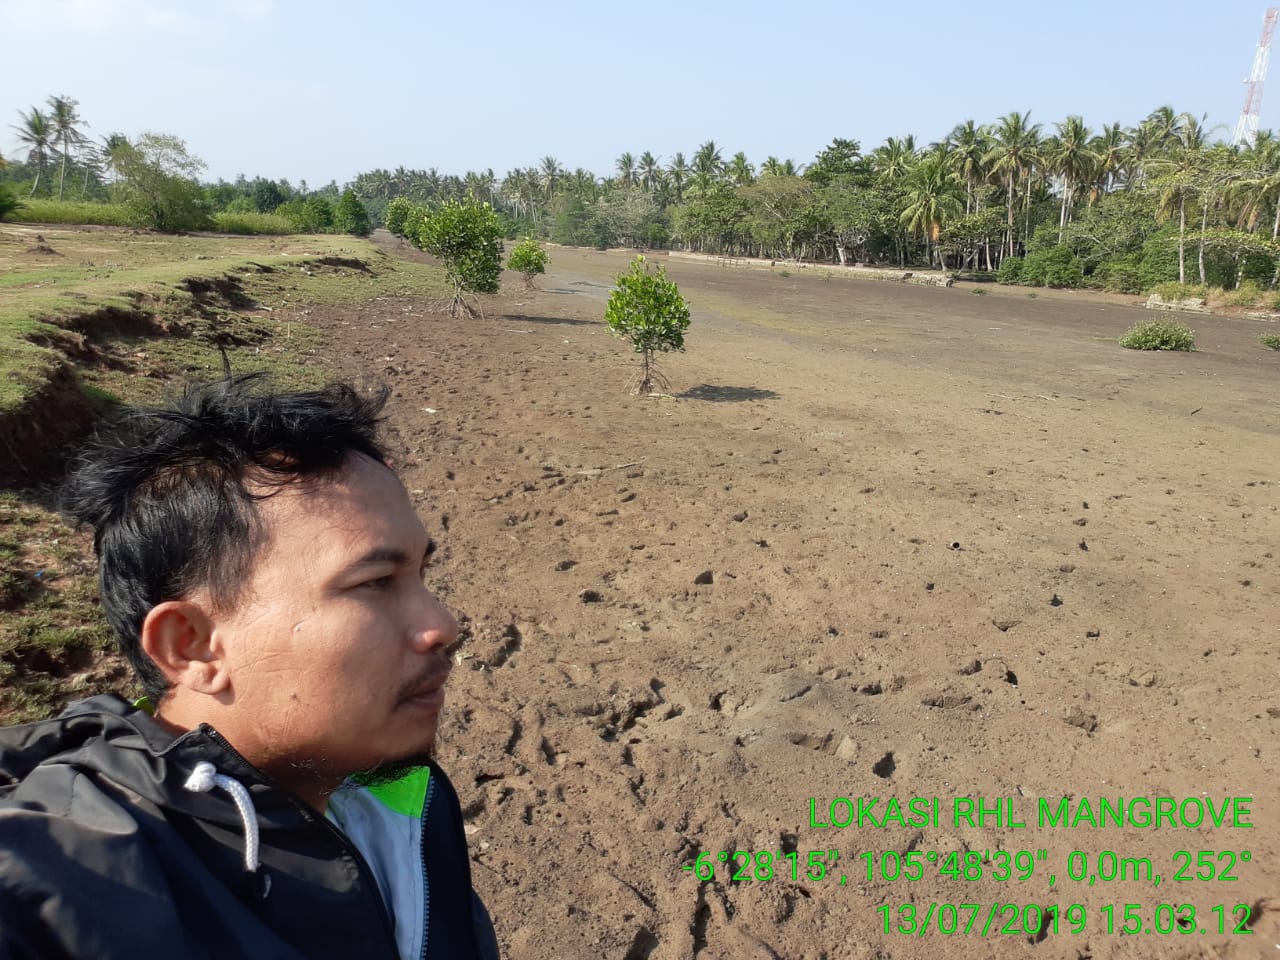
x: 433, y: 675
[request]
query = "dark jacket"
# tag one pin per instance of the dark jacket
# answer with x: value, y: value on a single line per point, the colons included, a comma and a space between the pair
x: 106, y: 852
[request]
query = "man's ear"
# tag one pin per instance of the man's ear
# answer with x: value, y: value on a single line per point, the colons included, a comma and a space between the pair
x: 178, y: 637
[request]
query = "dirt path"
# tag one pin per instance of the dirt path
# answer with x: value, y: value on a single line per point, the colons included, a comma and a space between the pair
x: 884, y: 542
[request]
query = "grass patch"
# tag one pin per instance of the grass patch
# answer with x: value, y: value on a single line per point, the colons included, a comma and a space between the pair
x: 1169, y: 292
x: 1159, y: 335
x: 1248, y: 294
x: 54, y: 643
x: 1271, y: 340
x: 51, y: 285
x: 978, y: 292
x: 252, y: 224
x: 38, y: 210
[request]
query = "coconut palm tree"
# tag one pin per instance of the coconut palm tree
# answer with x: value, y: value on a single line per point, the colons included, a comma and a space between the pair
x: 551, y: 172
x: 650, y: 171
x: 740, y: 171
x: 1110, y: 150
x: 773, y: 167
x: 1071, y: 158
x: 892, y: 159
x: 1258, y: 189
x: 969, y: 148
x: 113, y: 146
x: 1164, y: 123
x: 64, y: 118
x: 35, y: 133
x: 1141, y: 145
x: 933, y: 197
x: 626, y: 167
x: 1013, y: 155
x: 679, y: 171
x: 1179, y: 180
x: 708, y: 166
x: 584, y: 185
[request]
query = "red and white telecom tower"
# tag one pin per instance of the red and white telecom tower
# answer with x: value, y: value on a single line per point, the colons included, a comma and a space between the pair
x: 1247, y: 126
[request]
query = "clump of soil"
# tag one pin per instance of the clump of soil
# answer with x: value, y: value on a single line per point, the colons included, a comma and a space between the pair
x: 42, y: 248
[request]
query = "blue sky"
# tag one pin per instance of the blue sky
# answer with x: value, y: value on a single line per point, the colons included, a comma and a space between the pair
x: 322, y: 90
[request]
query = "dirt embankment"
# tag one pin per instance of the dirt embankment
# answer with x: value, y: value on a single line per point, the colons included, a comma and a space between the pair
x: 208, y: 311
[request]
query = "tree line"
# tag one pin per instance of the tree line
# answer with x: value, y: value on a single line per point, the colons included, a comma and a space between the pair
x: 156, y: 177
x: 1124, y: 208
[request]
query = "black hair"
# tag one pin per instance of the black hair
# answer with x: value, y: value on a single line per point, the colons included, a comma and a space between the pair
x: 172, y: 492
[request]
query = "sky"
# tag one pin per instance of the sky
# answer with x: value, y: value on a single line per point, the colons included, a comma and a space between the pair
x: 321, y: 90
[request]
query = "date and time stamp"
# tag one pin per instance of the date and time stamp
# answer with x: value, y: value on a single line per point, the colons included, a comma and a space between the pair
x: 1171, y: 878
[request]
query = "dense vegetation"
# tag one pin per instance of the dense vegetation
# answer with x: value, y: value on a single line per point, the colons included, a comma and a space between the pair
x: 151, y: 180
x: 1120, y: 208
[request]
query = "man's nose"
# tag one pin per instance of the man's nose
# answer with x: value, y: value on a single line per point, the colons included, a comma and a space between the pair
x: 436, y: 627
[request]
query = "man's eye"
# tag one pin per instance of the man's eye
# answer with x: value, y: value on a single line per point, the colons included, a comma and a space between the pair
x: 382, y: 583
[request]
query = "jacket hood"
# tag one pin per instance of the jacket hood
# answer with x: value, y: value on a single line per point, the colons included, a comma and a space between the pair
x: 108, y: 735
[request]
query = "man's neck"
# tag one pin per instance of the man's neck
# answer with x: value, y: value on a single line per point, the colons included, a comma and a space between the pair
x: 307, y: 785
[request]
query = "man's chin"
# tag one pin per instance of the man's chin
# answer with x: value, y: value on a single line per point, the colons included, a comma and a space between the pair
x: 390, y: 771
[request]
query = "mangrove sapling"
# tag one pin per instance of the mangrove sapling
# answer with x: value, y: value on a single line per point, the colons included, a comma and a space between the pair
x: 529, y: 258
x: 647, y: 310
x: 467, y: 236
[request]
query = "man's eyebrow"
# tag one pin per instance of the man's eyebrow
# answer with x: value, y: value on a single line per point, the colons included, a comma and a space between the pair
x: 392, y: 555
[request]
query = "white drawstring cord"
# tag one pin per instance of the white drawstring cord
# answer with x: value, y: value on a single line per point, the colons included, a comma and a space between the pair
x: 204, y: 778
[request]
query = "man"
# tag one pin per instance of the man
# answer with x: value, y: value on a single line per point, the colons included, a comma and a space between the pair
x: 262, y: 568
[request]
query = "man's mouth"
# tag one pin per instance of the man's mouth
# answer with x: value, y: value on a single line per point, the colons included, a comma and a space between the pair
x: 426, y: 699
x: 427, y: 691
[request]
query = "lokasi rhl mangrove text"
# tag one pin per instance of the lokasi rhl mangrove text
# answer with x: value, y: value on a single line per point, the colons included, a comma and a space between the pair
x: 1045, y: 812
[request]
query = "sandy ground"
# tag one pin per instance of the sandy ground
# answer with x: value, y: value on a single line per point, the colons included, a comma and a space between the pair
x: 878, y: 542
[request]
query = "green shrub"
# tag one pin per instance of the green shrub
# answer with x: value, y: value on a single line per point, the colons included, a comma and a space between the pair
x: 397, y: 215
x: 1159, y: 335
x: 528, y: 258
x: 350, y: 216
x: 1010, y: 270
x: 8, y: 202
x: 251, y: 222
x: 978, y: 292
x: 1271, y: 340
x: 467, y: 237
x: 1246, y: 295
x: 312, y: 215
x: 157, y: 181
x: 240, y: 205
x: 1158, y: 262
x: 1119, y: 276
x: 37, y: 210
x: 647, y: 310
x: 1172, y: 291
x: 1257, y: 266
x: 1051, y: 267
x: 656, y: 234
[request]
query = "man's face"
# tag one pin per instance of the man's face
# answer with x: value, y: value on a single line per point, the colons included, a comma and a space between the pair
x: 336, y: 652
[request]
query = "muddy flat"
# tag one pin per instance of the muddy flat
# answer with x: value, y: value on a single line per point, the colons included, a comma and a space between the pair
x: 875, y: 542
